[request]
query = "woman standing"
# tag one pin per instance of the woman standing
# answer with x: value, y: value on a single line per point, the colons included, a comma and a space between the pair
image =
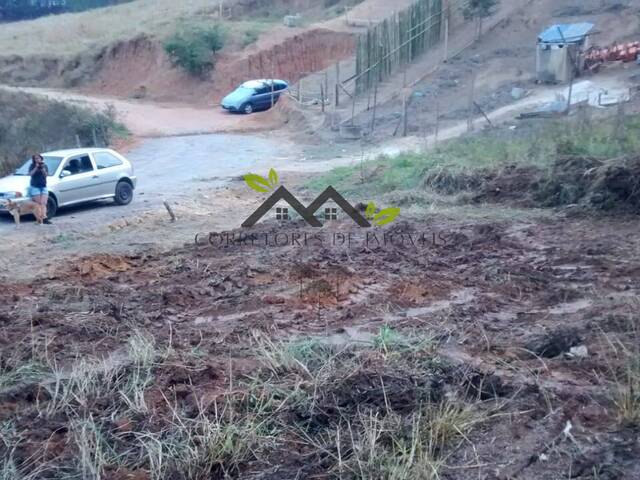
x: 38, y: 187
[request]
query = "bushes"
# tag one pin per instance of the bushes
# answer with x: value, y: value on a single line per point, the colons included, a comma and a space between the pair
x: 30, y: 124
x: 193, y: 48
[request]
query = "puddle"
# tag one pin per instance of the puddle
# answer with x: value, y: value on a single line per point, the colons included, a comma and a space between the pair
x: 572, y: 267
x: 205, y: 320
x: 460, y: 297
x: 570, y: 307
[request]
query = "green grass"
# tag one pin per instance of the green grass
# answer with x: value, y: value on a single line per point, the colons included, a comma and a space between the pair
x: 493, y: 150
x: 252, y: 31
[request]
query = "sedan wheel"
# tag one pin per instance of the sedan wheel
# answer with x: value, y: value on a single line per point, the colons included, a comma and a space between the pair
x: 124, y: 193
x: 52, y: 207
x: 248, y: 108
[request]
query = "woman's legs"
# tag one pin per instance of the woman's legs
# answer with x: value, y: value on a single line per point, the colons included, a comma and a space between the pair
x: 42, y: 201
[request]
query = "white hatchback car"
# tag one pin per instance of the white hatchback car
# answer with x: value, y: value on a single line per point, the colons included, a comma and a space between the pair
x: 76, y: 176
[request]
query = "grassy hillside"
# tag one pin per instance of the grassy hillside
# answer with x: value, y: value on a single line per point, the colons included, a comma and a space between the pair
x: 559, y: 163
x: 30, y: 124
x: 537, y: 147
x: 75, y: 33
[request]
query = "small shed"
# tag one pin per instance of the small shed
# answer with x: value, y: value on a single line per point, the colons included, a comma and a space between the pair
x: 560, y: 54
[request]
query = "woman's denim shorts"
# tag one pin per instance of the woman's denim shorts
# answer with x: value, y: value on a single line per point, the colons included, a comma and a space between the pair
x: 36, y: 191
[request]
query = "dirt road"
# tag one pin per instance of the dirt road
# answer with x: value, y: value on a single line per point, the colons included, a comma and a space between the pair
x: 194, y: 170
x: 157, y: 120
x: 180, y: 168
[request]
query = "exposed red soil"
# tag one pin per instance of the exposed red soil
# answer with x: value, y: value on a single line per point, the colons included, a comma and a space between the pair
x: 150, y: 73
x: 506, y: 301
x: 292, y: 59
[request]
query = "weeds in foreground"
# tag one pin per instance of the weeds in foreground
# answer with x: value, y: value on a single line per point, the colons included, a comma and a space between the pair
x: 627, y: 391
x: 397, y: 448
x: 25, y: 373
x: 89, y: 380
x: 359, y: 409
x: 367, y: 411
x: 624, y: 375
x: 94, y: 450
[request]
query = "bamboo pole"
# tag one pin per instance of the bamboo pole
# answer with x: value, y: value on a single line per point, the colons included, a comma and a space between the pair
x: 375, y: 106
x: 337, y: 100
x: 394, y: 39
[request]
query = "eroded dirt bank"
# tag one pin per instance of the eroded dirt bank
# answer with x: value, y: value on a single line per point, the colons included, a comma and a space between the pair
x: 530, y: 320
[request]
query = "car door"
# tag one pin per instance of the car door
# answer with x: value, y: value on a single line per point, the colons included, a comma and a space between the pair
x: 78, y: 180
x: 108, y: 168
x: 261, y: 99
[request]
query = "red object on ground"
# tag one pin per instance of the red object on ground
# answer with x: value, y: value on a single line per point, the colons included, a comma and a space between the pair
x: 626, y: 52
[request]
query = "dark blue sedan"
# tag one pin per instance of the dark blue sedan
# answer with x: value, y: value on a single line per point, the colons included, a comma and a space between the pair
x: 254, y: 95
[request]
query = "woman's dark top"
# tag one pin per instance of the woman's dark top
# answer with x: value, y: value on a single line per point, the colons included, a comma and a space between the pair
x: 39, y: 177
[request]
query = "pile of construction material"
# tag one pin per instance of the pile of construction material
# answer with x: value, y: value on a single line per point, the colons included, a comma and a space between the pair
x: 618, y: 52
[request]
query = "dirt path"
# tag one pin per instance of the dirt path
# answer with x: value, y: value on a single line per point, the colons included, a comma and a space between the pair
x: 192, y: 173
x: 198, y: 174
x: 155, y: 120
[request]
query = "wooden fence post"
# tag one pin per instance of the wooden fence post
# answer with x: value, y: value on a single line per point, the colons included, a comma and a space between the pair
x: 337, y: 99
x: 445, y: 13
x: 437, y: 121
x: 471, y: 103
x: 326, y: 84
x: 375, y: 106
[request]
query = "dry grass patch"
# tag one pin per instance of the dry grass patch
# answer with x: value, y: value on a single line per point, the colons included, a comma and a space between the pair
x: 75, y: 33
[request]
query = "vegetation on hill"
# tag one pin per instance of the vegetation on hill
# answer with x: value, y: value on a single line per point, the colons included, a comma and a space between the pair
x: 12, y: 10
x: 30, y: 124
x: 560, y: 163
x: 89, y: 31
x: 193, y: 47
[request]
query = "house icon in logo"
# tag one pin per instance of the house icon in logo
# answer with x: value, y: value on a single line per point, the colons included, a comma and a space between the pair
x: 307, y: 213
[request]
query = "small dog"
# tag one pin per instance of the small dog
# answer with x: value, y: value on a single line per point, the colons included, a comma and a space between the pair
x: 17, y: 209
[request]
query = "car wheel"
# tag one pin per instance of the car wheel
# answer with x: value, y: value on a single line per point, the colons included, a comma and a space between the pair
x: 52, y: 207
x: 247, y: 108
x: 124, y: 193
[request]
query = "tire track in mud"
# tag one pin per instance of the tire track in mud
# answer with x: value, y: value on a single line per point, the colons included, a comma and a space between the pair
x: 501, y: 310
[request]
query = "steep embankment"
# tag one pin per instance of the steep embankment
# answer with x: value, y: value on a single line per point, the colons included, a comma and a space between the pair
x: 149, y: 71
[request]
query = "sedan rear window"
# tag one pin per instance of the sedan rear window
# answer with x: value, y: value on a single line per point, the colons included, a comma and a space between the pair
x: 52, y: 165
x: 106, y: 160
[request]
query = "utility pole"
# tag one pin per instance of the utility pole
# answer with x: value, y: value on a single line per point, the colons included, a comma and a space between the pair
x: 574, y: 69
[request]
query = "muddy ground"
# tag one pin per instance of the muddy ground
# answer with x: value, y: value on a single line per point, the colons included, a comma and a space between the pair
x: 528, y: 321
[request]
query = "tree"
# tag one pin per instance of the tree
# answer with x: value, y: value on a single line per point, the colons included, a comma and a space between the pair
x: 480, y: 9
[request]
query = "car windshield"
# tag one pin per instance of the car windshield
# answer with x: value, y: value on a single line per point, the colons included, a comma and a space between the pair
x: 51, y: 162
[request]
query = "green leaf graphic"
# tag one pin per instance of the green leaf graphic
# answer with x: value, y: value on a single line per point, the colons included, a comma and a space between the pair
x: 386, y: 216
x: 273, y: 178
x: 371, y: 210
x: 257, y: 183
